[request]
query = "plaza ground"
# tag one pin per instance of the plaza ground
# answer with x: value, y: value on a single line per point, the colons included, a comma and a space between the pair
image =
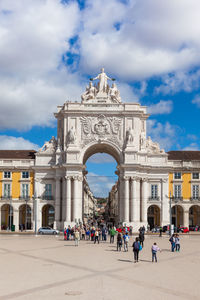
x: 47, y: 267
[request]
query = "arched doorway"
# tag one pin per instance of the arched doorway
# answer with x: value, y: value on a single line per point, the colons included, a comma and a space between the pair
x: 177, y: 215
x: 25, y: 217
x: 194, y: 215
x: 6, y: 216
x: 101, y: 181
x: 48, y: 215
x: 153, y: 216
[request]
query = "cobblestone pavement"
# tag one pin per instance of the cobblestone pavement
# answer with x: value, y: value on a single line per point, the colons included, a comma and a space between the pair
x: 47, y: 267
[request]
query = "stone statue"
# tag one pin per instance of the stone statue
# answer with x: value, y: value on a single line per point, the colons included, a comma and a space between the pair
x: 90, y: 92
x: 102, y: 86
x: 129, y: 136
x: 71, y: 136
x: 114, y: 93
x: 49, y: 146
x: 151, y: 146
x: 142, y: 141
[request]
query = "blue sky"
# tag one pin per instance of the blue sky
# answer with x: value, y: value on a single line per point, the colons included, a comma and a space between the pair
x: 49, y: 50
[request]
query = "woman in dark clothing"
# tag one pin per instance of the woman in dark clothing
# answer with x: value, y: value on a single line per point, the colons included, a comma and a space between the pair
x: 141, y: 239
x: 119, y: 241
x: 136, y: 249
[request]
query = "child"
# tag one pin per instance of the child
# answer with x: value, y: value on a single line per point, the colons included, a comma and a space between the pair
x: 154, y: 250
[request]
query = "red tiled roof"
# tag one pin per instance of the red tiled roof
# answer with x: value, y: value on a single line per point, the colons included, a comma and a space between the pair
x: 184, y: 155
x: 17, y: 154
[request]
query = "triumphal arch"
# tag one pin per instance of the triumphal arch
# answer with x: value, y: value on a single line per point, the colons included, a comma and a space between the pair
x: 103, y: 122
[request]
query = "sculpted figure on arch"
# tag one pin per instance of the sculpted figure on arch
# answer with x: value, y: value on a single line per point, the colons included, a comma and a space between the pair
x: 103, y: 78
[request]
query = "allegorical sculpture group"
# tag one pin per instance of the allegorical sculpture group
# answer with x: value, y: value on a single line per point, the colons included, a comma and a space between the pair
x: 102, y: 89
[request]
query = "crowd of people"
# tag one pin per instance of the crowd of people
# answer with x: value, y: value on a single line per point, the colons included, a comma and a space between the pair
x: 97, y: 234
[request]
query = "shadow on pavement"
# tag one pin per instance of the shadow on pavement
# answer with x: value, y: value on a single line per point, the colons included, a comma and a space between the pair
x: 125, y: 260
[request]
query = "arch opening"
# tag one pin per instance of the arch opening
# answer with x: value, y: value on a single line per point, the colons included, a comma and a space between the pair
x: 48, y: 215
x: 153, y: 216
x: 6, y: 216
x: 101, y: 180
x: 25, y: 217
x: 177, y: 216
x: 194, y: 215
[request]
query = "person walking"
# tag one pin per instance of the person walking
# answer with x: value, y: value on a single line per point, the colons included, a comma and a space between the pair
x: 172, y: 241
x: 177, y: 242
x: 141, y: 238
x: 136, y: 249
x: 126, y: 240
x: 160, y: 230
x: 76, y: 237
x: 154, y: 250
x: 96, y: 236
x: 112, y: 235
x: 119, y: 241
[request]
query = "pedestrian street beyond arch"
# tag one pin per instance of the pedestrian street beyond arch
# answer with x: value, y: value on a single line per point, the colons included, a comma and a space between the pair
x: 48, y: 267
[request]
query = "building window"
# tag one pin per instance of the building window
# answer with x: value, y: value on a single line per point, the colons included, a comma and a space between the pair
x: 177, y: 191
x: 154, y: 191
x: 25, y: 174
x: 7, y: 189
x: 7, y: 174
x: 24, y: 190
x: 195, y: 175
x: 195, y: 191
x: 177, y: 175
x: 48, y: 191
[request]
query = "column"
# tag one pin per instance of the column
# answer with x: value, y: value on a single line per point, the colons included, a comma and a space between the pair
x: 68, y: 199
x: 132, y: 203
x: 121, y: 199
x: 186, y: 218
x: 165, y: 206
x: 144, y: 200
x: 16, y: 218
x: 57, y: 203
x: 80, y: 198
x: 136, y: 199
x: 75, y: 200
x: 118, y: 204
x: 63, y: 199
x: 126, y: 199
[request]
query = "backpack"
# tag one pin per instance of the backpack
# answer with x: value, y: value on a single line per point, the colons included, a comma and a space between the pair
x: 126, y: 238
x: 136, y: 246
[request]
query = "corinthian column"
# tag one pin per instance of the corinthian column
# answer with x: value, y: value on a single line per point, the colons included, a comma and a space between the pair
x: 126, y: 199
x: 68, y: 199
x: 75, y: 199
x: 135, y: 199
x: 57, y: 203
x: 144, y: 199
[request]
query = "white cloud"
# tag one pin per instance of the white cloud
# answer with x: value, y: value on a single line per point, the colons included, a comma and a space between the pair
x: 13, y: 143
x: 100, y: 158
x: 192, y: 147
x: 196, y: 101
x: 164, y: 134
x: 33, y: 80
x: 162, y: 107
x: 100, y: 185
x: 174, y: 83
x: 152, y: 38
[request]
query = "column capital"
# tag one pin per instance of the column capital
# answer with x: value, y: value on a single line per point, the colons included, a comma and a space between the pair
x: 145, y: 179
x: 126, y: 177
x: 135, y: 178
x: 68, y: 177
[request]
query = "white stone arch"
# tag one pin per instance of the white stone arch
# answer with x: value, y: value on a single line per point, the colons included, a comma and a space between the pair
x: 194, y: 214
x: 46, y: 218
x: 178, y: 214
x: 102, y: 147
